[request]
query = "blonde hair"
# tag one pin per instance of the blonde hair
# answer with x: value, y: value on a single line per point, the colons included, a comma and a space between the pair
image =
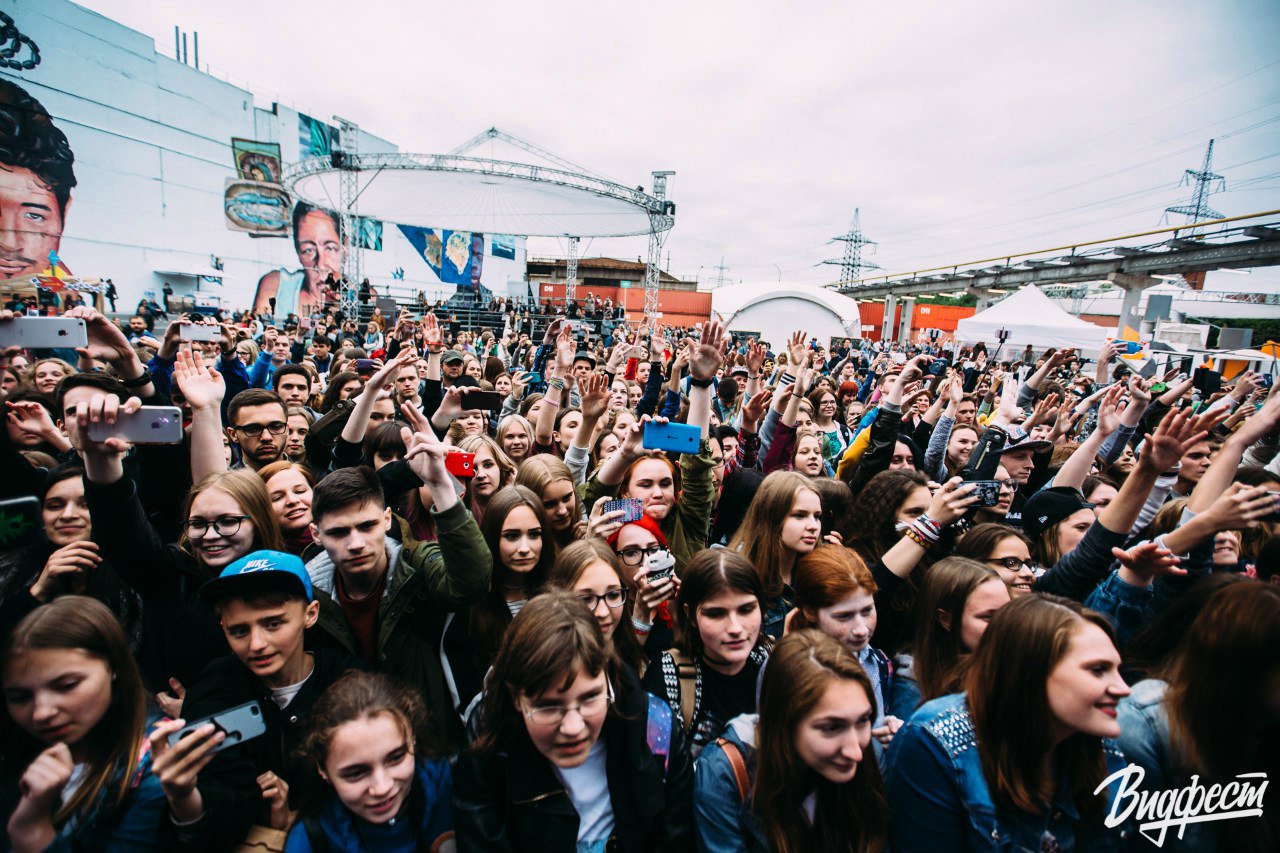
x: 249, y: 492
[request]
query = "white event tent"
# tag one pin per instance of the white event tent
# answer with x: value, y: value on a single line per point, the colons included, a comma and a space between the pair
x: 1031, y: 318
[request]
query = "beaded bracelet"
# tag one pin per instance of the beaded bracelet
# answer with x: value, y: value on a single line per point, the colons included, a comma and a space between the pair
x: 915, y: 537
x: 641, y: 627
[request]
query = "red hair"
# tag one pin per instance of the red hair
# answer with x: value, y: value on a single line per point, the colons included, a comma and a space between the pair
x: 826, y: 576
x: 647, y: 523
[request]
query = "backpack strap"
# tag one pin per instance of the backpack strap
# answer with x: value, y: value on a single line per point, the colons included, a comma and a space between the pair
x: 687, y: 686
x: 658, y: 730
x: 738, y: 765
x: 316, y: 835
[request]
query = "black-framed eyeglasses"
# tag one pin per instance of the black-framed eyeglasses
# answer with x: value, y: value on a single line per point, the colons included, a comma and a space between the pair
x: 226, y: 525
x: 1013, y: 563
x: 637, y: 555
x: 255, y: 430
x: 613, y: 599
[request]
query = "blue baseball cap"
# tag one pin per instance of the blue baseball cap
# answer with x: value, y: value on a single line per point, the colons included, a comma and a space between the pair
x: 260, y: 571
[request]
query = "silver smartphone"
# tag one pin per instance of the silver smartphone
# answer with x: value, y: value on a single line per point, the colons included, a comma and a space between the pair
x: 44, y: 333
x: 239, y: 724
x: 148, y: 425
x: 199, y: 332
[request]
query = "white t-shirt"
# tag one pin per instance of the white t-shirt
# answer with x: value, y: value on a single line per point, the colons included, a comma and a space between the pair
x: 588, y: 788
x: 282, y: 696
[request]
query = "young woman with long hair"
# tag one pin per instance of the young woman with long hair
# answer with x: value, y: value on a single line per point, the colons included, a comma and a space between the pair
x: 1173, y: 725
x: 299, y: 422
x: 796, y: 777
x: 782, y: 524
x: 523, y: 546
x: 383, y: 788
x: 548, y: 477
x: 1014, y: 761
x: 68, y: 562
x: 590, y: 569
x: 515, y: 434
x: 342, y: 386
x: 957, y: 600
x: 571, y: 754
x: 290, y: 486
x: 1004, y: 549
x: 225, y: 516
x: 709, y: 677
x: 835, y: 593
x: 491, y: 469
x: 75, y: 772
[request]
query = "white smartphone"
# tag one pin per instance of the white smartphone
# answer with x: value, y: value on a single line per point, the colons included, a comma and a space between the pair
x: 199, y: 332
x: 44, y: 333
x: 148, y: 425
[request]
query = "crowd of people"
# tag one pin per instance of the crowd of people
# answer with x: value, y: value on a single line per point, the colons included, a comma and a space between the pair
x: 405, y: 587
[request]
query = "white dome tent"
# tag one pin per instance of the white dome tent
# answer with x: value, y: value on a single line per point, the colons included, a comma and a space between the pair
x: 1031, y: 318
x: 773, y: 311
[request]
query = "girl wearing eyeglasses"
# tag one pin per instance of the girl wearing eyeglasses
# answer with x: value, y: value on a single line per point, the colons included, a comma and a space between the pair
x: 796, y: 777
x: 590, y: 569
x: 1013, y: 762
x: 640, y: 544
x: 567, y: 757
x: 521, y: 540
x: 382, y: 789
x: 1004, y: 549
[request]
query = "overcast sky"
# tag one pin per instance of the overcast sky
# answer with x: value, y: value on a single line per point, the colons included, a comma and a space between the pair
x: 961, y: 130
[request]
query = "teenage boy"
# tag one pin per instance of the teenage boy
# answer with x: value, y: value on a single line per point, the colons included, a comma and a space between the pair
x: 265, y: 604
x: 384, y: 597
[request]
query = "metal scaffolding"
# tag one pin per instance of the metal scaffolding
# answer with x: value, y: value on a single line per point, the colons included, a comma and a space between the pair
x: 346, y: 159
x: 571, y: 272
x: 659, y: 225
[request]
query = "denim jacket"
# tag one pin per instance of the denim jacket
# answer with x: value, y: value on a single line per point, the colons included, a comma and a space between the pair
x: 940, y: 799
x: 723, y: 818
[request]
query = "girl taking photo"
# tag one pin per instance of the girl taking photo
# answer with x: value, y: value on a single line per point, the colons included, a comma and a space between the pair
x: 1012, y: 763
x: 491, y: 469
x: 569, y: 757
x: 382, y: 790
x: 795, y: 777
x: 75, y: 773
x: 710, y: 676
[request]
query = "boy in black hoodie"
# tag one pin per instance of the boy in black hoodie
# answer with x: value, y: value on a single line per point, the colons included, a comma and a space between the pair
x: 265, y: 603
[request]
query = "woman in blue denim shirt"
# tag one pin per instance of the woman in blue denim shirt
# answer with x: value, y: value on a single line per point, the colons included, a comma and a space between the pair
x: 1174, y: 727
x: 76, y: 773
x: 794, y: 778
x: 1013, y: 763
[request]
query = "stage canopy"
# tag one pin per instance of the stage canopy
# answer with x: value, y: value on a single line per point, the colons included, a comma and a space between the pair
x: 1031, y: 318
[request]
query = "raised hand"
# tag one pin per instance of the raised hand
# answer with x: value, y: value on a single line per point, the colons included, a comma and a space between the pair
x: 201, y: 384
x: 1109, y: 410
x: 754, y: 409
x: 170, y: 702
x: 1175, y: 435
x: 1146, y: 561
x: 603, y: 524
x: 755, y: 358
x: 594, y: 391
x: 1139, y: 390
x: 178, y: 767
x: 31, y: 418
x: 1044, y: 411
x: 564, y: 352
x: 795, y: 349
x: 106, y: 341
x: 431, y: 333
x: 708, y: 355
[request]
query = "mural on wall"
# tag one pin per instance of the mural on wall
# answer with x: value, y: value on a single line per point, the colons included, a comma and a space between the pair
x: 456, y: 257
x: 37, y: 174
x: 258, y: 208
x: 315, y: 138
x: 317, y: 238
x: 256, y: 161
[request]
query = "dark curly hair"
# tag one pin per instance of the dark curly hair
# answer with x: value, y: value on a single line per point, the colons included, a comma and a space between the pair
x: 869, y: 526
x: 30, y: 140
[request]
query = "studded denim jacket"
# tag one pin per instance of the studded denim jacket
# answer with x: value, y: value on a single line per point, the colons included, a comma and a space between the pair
x: 940, y: 798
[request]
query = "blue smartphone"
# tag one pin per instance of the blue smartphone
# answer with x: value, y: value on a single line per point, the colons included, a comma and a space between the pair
x: 533, y: 378
x: 677, y: 438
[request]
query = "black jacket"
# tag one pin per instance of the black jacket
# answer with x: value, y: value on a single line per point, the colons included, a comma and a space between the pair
x: 512, y: 799
x: 228, y: 785
x: 181, y: 635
